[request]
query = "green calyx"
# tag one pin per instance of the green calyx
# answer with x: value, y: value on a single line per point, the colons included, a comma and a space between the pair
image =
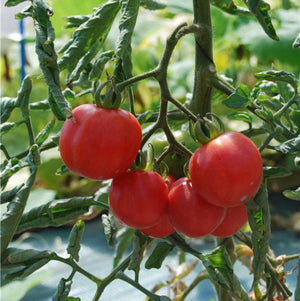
x: 111, y: 99
x: 207, y: 128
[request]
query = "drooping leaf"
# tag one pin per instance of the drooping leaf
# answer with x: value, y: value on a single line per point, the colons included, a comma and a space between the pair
x: 292, y: 194
x: 158, y: 255
x: 6, y: 127
x: 94, y: 29
x: 241, y: 116
x: 44, y: 133
x: 7, y: 105
x: 129, y: 12
x: 260, y: 9
x: 41, y: 13
x: 11, y: 219
x: 55, y: 213
x: 289, y: 146
x: 9, y: 195
x: 259, y: 221
x: 73, y: 247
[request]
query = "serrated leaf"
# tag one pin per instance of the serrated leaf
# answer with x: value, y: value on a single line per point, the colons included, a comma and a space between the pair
x: 289, y: 146
x: 73, y: 247
x: 238, y: 99
x: 271, y: 172
x: 158, y: 255
x: 260, y: 10
x: 259, y: 221
x: 292, y: 194
x: 93, y: 30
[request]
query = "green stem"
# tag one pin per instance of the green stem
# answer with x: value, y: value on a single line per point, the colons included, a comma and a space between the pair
x: 204, y: 65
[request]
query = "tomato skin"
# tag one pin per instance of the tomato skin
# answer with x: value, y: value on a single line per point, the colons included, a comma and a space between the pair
x: 227, y: 171
x: 138, y: 198
x: 233, y: 221
x: 101, y: 143
x: 162, y: 229
x: 190, y: 213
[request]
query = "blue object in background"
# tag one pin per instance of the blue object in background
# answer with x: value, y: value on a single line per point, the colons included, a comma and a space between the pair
x: 22, y: 49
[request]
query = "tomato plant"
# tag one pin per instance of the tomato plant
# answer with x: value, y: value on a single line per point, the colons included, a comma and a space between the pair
x: 99, y: 143
x: 227, y: 171
x: 235, y: 218
x: 138, y: 198
x: 190, y: 213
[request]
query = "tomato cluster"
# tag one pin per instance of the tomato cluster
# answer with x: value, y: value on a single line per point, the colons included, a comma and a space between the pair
x: 225, y: 173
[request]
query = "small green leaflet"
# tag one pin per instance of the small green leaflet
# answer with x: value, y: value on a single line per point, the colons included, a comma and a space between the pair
x: 238, y: 99
x: 292, y: 194
x: 158, y: 255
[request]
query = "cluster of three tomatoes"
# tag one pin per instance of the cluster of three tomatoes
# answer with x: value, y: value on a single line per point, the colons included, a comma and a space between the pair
x: 225, y: 173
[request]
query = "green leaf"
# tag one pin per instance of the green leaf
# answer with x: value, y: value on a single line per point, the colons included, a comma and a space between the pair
x: 152, y: 4
x: 260, y: 9
x: 295, y: 117
x: 21, y: 287
x: 11, y: 219
x: 7, y: 105
x: 63, y: 290
x: 142, y: 118
x: 25, y: 272
x: 259, y: 221
x: 9, y: 195
x: 76, y: 21
x: 40, y: 105
x: 220, y: 270
x: 109, y: 226
x: 292, y: 194
x: 241, y: 116
x: 47, y: 57
x: 274, y: 75
x: 23, y: 96
x: 158, y: 255
x: 238, y: 99
x: 124, y: 238
x: 13, y: 2
x: 99, y: 65
x: 93, y: 30
x: 271, y: 172
x: 6, y: 127
x: 55, y: 213
x: 75, y: 239
x: 289, y: 146
x: 297, y: 289
x: 44, y: 133
x: 229, y: 7
x: 129, y: 12
x: 139, y: 244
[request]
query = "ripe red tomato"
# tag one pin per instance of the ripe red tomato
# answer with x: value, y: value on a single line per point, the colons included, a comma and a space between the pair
x: 138, y: 198
x: 162, y: 229
x: 190, y: 213
x: 100, y: 143
x: 170, y: 180
x: 227, y: 171
x: 234, y: 219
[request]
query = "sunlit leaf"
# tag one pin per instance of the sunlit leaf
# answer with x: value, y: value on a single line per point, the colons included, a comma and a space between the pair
x: 292, y: 194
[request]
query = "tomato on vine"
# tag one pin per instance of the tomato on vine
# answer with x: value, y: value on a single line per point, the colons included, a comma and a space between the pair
x: 190, y: 213
x: 234, y: 219
x: 138, y: 198
x: 227, y: 171
x: 99, y: 143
